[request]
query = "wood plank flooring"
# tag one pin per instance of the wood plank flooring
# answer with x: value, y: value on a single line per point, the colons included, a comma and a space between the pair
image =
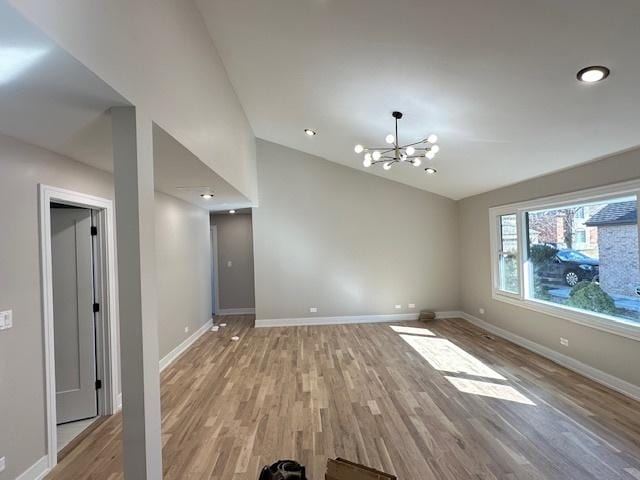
x: 423, y: 401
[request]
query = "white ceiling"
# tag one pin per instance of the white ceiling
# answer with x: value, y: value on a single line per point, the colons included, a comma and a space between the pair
x: 51, y: 100
x: 494, y: 79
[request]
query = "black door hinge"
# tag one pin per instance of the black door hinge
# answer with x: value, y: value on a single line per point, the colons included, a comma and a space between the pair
x: 96, y: 307
x: 94, y: 231
x: 98, y: 384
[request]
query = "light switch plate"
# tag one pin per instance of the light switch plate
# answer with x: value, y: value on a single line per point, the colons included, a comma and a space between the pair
x: 412, y: 305
x: 398, y: 307
x: 229, y: 263
x: 2, y: 464
x: 6, y: 319
x: 313, y: 309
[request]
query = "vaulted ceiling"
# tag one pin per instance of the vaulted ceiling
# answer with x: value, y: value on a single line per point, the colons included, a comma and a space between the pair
x: 495, y: 79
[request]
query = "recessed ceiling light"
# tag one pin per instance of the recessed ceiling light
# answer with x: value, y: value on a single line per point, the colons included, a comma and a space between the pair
x: 593, y: 74
x: 206, y: 196
x: 232, y: 212
x: 309, y: 132
x: 430, y: 171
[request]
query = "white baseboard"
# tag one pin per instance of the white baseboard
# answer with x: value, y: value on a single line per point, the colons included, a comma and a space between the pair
x: 603, y: 378
x: 37, y: 471
x: 348, y: 319
x: 176, y: 352
x: 450, y: 314
x: 340, y: 320
x: 236, y: 311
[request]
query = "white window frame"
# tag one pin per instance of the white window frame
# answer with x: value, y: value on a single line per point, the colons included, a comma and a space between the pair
x: 607, y: 323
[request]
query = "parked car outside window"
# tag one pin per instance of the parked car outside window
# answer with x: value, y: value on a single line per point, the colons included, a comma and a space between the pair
x: 570, y: 267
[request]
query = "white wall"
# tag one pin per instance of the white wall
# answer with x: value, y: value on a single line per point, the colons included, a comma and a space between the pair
x: 347, y: 242
x: 158, y: 54
x: 235, y: 245
x: 183, y: 251
x: 610, y: 353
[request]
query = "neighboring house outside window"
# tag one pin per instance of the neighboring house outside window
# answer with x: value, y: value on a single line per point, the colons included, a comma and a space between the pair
x: 618, y: 248
x: 566, y: 228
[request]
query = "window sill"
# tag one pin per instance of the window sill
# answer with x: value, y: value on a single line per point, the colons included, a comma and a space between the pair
x: 601, y: 322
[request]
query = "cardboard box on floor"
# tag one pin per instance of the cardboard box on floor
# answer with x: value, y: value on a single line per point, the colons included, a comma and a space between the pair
x: 341, y: 469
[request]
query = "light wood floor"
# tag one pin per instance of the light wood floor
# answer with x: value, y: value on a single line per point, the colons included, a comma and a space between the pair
x: 408, y: 403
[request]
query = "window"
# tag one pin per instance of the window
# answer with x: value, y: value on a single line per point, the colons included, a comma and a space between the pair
x: 508, y: 254
x: 579, y: 259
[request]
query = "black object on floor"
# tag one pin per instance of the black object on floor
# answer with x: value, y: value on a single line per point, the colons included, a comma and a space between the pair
x: 283, y: 470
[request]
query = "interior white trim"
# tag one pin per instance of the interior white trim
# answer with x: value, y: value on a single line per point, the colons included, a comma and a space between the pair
x: 48, y: 194
x: 603, y: 378
x: 214, y: 266
x: 347, y: 319
x: 37, y: 471
x: 236, y: 311
x: 606, y: 323
x: 176, y: 352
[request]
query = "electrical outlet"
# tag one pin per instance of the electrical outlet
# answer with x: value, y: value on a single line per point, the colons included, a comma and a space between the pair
x: 481, y: 310
x: 398, y: 307
x: 2, y: 464
x: 313, y: 309
x: 6, y: 319
x: 412, y: 305
x: 186, y: 329
x: 564, y: 342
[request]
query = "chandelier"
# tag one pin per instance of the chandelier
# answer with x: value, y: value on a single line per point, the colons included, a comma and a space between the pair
x: 393, y: 153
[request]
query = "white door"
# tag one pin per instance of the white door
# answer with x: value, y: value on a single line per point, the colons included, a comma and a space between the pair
x: 73, y: 317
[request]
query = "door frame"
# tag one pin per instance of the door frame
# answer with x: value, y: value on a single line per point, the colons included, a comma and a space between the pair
x: 214, y: 269
x: 105, y: 288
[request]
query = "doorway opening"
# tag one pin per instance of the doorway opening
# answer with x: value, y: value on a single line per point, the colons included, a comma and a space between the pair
x: 232, y: 262
x: 79, y: 311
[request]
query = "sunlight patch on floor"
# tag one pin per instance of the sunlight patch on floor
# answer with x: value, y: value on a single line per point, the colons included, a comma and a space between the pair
x: 412, y: 330
x: 487, y: 389
x: 445, y: 356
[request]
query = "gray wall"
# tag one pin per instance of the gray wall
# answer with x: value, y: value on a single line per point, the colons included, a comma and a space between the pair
x: 347, y: 242
x: 235, y: 244
x: 183, y: 249
x: 182, y: 236
x: 613, y: 354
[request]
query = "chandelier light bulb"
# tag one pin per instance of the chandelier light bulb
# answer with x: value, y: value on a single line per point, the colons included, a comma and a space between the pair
x: 390, y: 139
x: 376, y: 155
x: 410, y: 150
x: 430, y: 155
x: 367, y: 156
x: 403, y: 157
x: 417, y: 162
x: 358, y: 148
x: 430, y: 171
x: 432, y: 138
x: 386, y: 165
x: 435, y: 148
x: 367, y: 162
